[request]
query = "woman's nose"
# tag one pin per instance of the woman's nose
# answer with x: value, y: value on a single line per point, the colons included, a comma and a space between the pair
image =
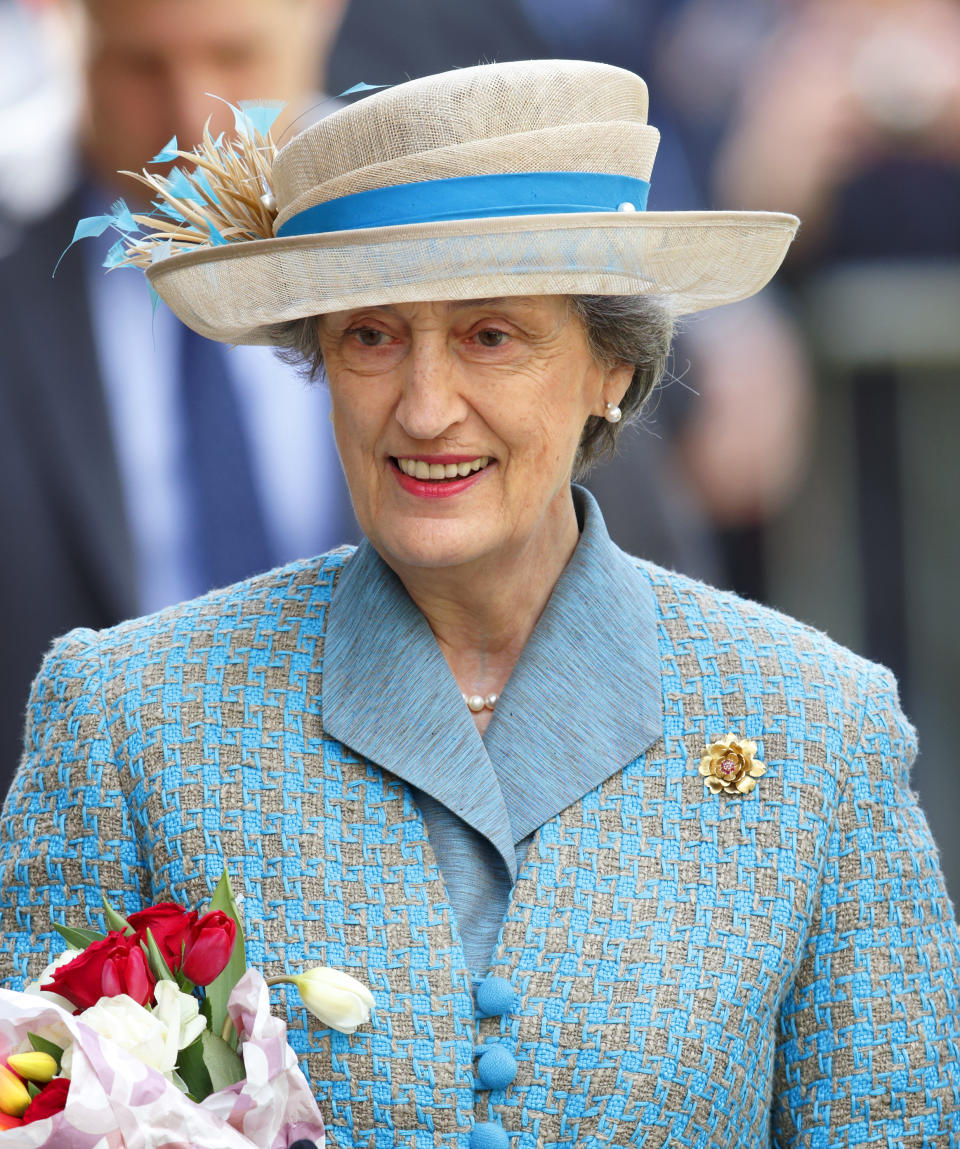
x: 431, y: 401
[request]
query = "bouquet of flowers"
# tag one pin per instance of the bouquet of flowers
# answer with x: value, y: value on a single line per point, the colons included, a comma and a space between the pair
x: 157, y: 1035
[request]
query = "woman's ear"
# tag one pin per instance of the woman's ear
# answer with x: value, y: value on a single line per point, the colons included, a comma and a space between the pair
x: 616, y: 383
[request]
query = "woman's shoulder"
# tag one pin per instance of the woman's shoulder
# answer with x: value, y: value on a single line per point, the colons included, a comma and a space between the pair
x: 243, y: 613
x: 766, y: 657
x: 692, y: 613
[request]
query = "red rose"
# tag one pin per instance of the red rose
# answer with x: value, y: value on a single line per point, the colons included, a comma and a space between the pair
x: 168, y: 923
x: 208, y: 947
x: 51, y: 1099
x: 111, y: 966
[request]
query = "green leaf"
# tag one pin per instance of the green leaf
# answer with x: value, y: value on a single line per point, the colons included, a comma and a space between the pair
x: 223, y: 1063
x: 115, y: 921
x: 191, y: 1068
x: 161, y: 971
x: 77, y: 939
x: 42, y: 1045
x: 219, y: 990
x: 33, y: 1089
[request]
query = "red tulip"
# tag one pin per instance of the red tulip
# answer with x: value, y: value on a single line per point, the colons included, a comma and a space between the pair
x: 208, y: 947
x: 128, y: 971
x: 169, y: 924
x: 50, y: 1100
x: 116, y: 964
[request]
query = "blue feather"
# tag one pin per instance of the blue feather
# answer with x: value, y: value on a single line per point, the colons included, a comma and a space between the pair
x: 167, y: 152
x: 361, y: 87
x: 91, y: 226
x: 165, y: 209
x: 178, y: 185
x: 114, y: 256
x: 121, y: 219
x: 260, y: 114
x: 252, y: 115
x: 199, y: 178
x: 88, y: 228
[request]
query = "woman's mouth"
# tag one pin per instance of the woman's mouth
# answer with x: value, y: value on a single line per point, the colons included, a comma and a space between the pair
x: 419, y: 469
x: 436, y: 479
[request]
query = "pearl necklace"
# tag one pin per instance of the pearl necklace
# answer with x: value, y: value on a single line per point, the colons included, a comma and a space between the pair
x: 477, y: 702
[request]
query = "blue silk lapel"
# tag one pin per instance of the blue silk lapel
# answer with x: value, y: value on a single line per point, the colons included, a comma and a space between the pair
x: 584, y: 699
x: 389, y: 695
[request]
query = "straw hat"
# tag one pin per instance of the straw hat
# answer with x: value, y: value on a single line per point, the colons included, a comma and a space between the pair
x: 524, y: 178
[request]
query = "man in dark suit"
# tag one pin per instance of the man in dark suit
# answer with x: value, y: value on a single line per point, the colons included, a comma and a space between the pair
x: 91, y: 532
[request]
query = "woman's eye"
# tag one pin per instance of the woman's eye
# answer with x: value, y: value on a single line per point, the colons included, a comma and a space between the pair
x: 491, y: 337
x: 368, y: 336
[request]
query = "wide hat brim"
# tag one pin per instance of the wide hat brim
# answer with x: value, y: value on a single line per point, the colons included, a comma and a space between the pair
x: 237, y: 292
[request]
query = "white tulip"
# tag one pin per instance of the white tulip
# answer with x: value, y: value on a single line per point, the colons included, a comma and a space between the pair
x: 335, y: 998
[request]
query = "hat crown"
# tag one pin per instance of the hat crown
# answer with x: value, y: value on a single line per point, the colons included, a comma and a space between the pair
x: 531, y: 115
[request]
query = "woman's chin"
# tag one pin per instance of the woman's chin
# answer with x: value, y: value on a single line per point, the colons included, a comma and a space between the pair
x: 429, y: 544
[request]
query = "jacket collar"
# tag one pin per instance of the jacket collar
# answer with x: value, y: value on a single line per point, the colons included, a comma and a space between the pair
x: 582, y: 702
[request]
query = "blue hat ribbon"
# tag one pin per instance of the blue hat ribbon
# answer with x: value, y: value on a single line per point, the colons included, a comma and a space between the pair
x: 473, y: 197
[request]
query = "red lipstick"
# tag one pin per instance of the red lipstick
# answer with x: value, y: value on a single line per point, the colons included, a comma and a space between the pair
x: 437, y: 488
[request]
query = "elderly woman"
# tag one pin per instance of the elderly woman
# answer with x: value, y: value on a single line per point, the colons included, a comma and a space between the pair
x: 623, y: 859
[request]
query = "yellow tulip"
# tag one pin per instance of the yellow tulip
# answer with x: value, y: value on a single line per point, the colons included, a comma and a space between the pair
x: 34, y: 1066
x: 14, y: 1097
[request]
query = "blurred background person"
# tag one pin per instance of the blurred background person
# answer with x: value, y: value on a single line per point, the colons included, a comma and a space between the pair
x: 140, y: 464
x: 858, y: 104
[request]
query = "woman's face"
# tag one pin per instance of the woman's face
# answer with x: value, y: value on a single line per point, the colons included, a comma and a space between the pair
x: 457, y: 423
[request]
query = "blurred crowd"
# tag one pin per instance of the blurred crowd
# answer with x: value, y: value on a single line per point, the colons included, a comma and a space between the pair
x: 800, y: 452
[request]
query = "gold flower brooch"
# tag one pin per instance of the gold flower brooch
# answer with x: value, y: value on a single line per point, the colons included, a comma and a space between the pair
x: 729, y: 765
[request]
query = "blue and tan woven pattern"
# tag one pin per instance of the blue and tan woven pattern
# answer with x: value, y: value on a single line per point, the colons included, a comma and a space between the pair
x: 692, y: 970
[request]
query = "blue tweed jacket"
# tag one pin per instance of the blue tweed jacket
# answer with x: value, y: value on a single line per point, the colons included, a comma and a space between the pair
x: 690, y: 969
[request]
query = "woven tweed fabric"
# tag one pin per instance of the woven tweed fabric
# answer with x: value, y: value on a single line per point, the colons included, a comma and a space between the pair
x: 692, y: 970
x: 528, y: 116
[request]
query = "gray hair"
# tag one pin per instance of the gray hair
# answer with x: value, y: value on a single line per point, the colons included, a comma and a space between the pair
x: 634, y: 329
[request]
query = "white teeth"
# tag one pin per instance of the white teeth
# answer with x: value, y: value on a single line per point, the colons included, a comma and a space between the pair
x: 417, y: 469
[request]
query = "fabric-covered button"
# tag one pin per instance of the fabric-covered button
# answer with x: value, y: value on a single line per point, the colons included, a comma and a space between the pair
x: 497, y: 1067
x: 488, y: 1135
x: 495, y: 995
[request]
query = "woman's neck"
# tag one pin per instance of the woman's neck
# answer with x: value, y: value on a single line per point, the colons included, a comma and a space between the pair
x: 483, y: 616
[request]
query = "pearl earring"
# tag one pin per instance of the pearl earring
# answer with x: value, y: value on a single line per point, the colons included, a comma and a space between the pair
x: 613, y: 414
